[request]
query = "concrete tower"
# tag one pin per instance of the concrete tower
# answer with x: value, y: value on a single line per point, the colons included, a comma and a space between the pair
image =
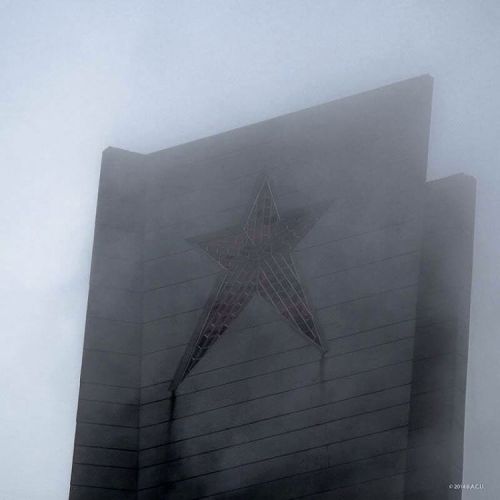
x: 280, y: 311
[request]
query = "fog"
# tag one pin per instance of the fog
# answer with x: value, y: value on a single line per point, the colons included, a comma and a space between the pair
x: 78, y: 76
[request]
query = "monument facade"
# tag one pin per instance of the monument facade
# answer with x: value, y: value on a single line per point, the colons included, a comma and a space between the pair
x: 280, y: 311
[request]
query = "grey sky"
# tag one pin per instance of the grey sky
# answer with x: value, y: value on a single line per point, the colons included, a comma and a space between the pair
x: 77, y: 76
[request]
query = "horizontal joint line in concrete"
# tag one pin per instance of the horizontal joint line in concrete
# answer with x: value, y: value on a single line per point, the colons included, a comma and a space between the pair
x: 313, y: 471
x: 104, y: 424
x: 102, y: 487
x: 184, y: 457
x: 175, y: 283
x: 93, y: 286
x: 137, y: 388
x: 109, y: 351
x: 165, y: 227
x: 302, y: 248
x: 280, y: 415
x: 325, y: 445
x: 135, y: 405
x: 313, y: 277
x: 289, y: 390
x: 453, y: 352
x: 103, y: 466
x: 97, y: 447
x: 240, y: 330
x: 333, y: 304
x: 368, y: 481
x: 333, y: 339
x: 112, y: 226
x: 402, y: 339
x: 93, y: 316
x: 180, y: 313
x: 292, y: 475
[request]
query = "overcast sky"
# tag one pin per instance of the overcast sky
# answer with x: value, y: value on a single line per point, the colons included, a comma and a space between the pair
x: 78, y: 76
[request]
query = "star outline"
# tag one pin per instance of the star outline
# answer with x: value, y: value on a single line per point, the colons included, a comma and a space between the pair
x: 284, y: 241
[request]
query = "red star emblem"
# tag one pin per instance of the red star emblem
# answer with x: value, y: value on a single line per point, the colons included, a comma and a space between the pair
x: 257, y: 259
